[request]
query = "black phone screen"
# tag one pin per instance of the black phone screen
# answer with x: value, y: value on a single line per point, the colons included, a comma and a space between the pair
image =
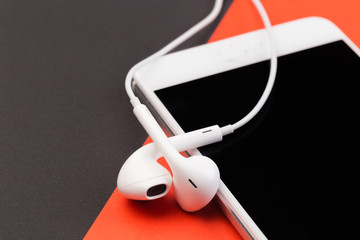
x: 293, y: 167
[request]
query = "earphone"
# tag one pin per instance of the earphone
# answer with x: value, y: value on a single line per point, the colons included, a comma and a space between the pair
x: 195, y: 179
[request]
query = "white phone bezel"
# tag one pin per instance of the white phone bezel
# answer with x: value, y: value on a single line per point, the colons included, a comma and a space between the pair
x: 224, y: 55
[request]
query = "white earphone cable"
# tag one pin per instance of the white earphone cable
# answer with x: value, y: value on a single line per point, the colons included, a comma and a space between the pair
x: 273, y: 68
x: 192, y: 31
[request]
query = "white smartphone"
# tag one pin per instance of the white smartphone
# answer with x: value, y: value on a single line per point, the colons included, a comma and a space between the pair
x: 288, y: 173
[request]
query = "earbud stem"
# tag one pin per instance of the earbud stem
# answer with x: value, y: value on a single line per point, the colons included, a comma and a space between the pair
x: 155, y: 132
x: 173, y: 145
x: 197, y: 138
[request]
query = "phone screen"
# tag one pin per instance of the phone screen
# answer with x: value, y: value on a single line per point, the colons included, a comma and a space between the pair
x: 293, y: 167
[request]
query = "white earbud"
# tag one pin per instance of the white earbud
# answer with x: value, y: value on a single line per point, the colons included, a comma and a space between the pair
x: 142, y: 177
x: 196, y: 179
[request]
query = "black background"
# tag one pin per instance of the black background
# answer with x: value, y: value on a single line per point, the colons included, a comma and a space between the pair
x: 66, y: 125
